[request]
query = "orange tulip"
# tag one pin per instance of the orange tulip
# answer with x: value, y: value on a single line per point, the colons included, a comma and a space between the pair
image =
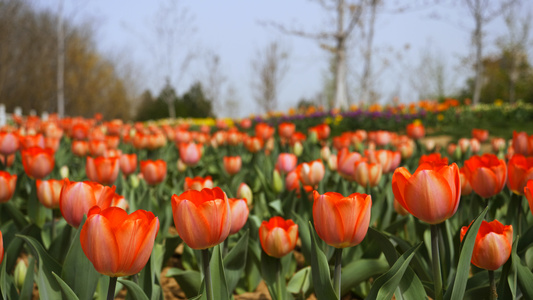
x: 367, y: 174
x: 311, y: 173
x: 202, y: 219
x: 431, y: 193
x: 80, y: 131
x: 78, y: 197
x: 239, y: 214
x: 232, y: 164
x: 97, y: 147
x: 128, y: 163
x: 341, y: 221
x: 154, y: 171
x: 8, y: 183
x: 38, y: 162
x: 480, y: 134
x: 382, y: 137
x: 520, y: 171
x: 322, y: 131
x: 253, y: 144
x: 346, y: 162
x: 49, y: 191
x: 198, y: 183
x: 498, y: 144
x: 342, y: 141
x: 487, y: 174
x: 286, y: 129
x: 112, y: 141
x: 103, y: 170
x: 278, y: 236
x: 286, y: 162
x: 9, y: 143
x: 28, y: 141
x: 416, y: 130
x: 389, y: 160
x: 528, y: 191
x: 7, y: 160
x: 522, y: 143
x: 466, y: 187
x: 434, y: 158
x: 233, y: 137
x: 190, y: 153
x: 264, y: 131
x: 79, y: 148
x: 493, y: 244
x: 118, y: 244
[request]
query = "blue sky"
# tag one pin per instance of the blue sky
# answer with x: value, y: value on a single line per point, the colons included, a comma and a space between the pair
x: 230, y: 29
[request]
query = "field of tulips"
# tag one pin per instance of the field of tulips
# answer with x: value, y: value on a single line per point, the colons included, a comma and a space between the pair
x: 311, y: 207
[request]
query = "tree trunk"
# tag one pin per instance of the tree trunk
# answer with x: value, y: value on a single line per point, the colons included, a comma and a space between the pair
x: 478, y: 42
x: 367, y: 69
x: 341, y: 100
x: 60, y: 63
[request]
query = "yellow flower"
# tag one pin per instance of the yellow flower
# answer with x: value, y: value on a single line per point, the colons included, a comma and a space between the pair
x: 498, y: 102
x: 440, y: 117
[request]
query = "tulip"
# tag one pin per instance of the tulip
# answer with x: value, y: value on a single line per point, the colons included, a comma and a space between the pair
x: 190, y: 153
x: 528, y: 192
x: 80, y: 131
x: 389, y: 160
x: 253, y: 144
x: 38, y: 162
x: 232, y: 164
x: 28, y: 141
x: 431, y: 193
x: 79, y: 148
x: 78, y: 197
x: 118, y: 244
x: 311, y: 173
x: 297, y: 148
x: 286, y: 162
x: 97, y: 147
x: 342, y: 141
x: 9, y: 143
x: 522, y: 143
x: 112, y: 141
x: 416, y: 130
x: 278, y: 236
x: 286, y: 130
x: 234, y: 137
x: 239, y: 214
x: 244, y: 191
x: 345, y: 163
x: 128, y: 163
x: 480, y: 134
x: 466, y: 187
x: 497, y: 144
x: 202, y: 219
x: 8, y: 183
x: 520, y: 171
x: 277, y: 182
x: 199, y: 183
x: 367, y: 174
x: 341, y: 221
x: 103, y: 170
x: 52, y: 143
x: 7, y: 160
x: 49, y: 192
x: 264, y: 131
x: 322, y: 131
x: 493, y: 244
x: 154, y: 171
x: 434, y: 158
x: 382, y: 137
x: 487, y: 174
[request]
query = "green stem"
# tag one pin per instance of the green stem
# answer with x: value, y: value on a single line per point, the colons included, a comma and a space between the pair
x: 225, y: 246
x: 337, y: 275
x: 493, y: 294
x: 520, y: 213
x: 435, y: 257
x: 111, y: 289
x: 279, y: 280
x: 207, y: 274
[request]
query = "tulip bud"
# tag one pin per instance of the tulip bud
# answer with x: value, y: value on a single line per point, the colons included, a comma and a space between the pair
x: 277, y: 182
x: 244, y: 191
x: 64, y: 172
x: 20, y: 274
x: 332, y: 162
x: 181, y: 166
x: 312, y: 137
x: 297, y: 149
x: 325, y: 153
x: 134, y: 181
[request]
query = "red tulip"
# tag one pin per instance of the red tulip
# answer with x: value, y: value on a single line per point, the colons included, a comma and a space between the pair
x: 232, y: 164
x: 112, y: 141
x: 253, y: 144
x: 493, y: 244
x: 498, y: 144
x: 79, y: 148
x: 389, y: 160
x: 278, y: 236
x: 431, y: 193
x: 528, y: 191
x: 466, y: 187
x: 154, y: 171
x: 78, y: 197
x: 522, y: 143
x: 346, y: 162
x: 311, y: 173
x: 49, y: 192
x: 367, y: 174
x: 322, y: 131
x: 264, y: 131
x: 198, y: 183
x: 8, y: 183
x: 487, y: 174
x: 286, y: 129
x: 416, y: 130
x: 28, y: 141
x: 118, y: 244
x: 38, y: 162
x: 202, y: 219
x: 128, y: 163
x: 286, y: 162
x: 341, y: 221
x: 434, y: 158
x: 190, y: 153
x: 9, y: 143
x: 480, y: 134
x: 103, y: 170
x: 97, y: 147
x: 520, y: 171
x: 239, y: 214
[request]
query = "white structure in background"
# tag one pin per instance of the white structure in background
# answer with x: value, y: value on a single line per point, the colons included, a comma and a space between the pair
x: 3, y: 116
x: 44, y: 116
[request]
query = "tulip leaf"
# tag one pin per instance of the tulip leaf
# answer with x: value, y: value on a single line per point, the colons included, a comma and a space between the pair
x: 15, y: 245
x: 320, y: 269
x: 508, y: 277
x: 525, y: 241
x: 217, y: 274
x: 78, y: 271
x: 27, y: 288
x: 271, y: 271
x: 61, y: 244
x: 134, y: 290
x: 457, y: 290
x: 235, y: 261
x: 277, y: 207
x: 67, y: 291
x: 525, y: 277
x: 361, y: 270
x: 189, y: 281
x: 385, y: 285
x: 305, y: 237
x: 7, y: 290
x: 46, y: 282
x: 300, y: 282
x: 19, y: 218
x: 171, y: 243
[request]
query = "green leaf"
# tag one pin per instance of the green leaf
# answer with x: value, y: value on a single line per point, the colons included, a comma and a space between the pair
x: 525, y: 241
x: 385, y: 285
x: 189, y: 281
x: 67, y: 291
x: 48, y: 286
x: 305, y: 237
x: 463, y: 268
x: 78, y: 271
x: 508, y: 277
x: 320, y: 270
x: 171, y: 243
x: 525, y: 277
x: 218, y: 277
x: 235, y: 261
x: 61, y: 244
x: 277, y: 207
x: 18, y: 217
x: 134, y: 290
x: 271, y: 271
x: 300, y: 282
x: 361, y: 270
x: 27, y: 288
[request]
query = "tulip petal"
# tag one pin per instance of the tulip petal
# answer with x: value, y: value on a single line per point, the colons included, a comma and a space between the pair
x: 400, y: 180
x: 99, y: 244
x: 191, y: 224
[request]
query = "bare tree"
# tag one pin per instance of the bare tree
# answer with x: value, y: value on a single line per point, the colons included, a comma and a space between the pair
x: 483, y: 12
x: 269, y: 66
x: 214, y: 82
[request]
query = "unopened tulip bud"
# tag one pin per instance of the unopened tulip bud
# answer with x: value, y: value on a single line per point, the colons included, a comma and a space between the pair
x: 181, y: 166
x: 244, y: 191
x: 297, y: 149
x: 64, y: 172
x: 325, y: 153
x: 312, y: 137
x: 332, y: 162
x: 20, y: 273
x: 277, y: 182
x: 134, y: 181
